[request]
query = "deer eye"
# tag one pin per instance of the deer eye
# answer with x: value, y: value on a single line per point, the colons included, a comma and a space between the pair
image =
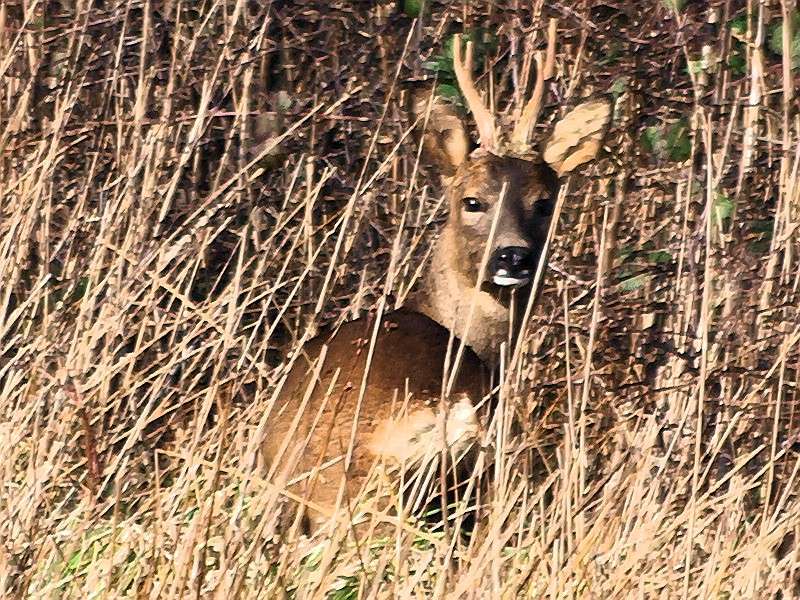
x: 543, y: 207
x: 472, y: 204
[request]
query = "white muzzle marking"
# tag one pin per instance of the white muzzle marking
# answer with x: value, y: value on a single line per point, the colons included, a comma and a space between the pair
x: 503, y: 279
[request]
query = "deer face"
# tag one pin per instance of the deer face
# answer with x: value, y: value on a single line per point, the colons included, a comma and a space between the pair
x: 512, y: 224
x: 520, y: 216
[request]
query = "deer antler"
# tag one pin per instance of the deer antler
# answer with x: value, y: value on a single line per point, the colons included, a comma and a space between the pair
x: 483, y: 116
x: 524, y: 127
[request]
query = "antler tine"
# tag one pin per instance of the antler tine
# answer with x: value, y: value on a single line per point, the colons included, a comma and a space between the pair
x: 483, y: 116
x: 524, y: 127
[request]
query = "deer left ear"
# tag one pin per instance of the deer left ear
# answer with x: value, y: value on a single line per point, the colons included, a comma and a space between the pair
x: 445, y: 140
x: 578, y: 137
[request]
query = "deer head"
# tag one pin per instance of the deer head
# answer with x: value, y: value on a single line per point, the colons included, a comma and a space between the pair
x: 503, y: 192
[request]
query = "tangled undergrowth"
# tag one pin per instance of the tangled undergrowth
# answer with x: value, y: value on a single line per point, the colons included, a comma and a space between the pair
x: 190, y: 188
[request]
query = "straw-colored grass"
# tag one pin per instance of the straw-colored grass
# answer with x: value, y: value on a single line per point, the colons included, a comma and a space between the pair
x: 188, y: 190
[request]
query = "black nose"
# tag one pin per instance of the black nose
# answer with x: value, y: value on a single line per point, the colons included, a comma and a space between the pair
x: 512, y: 264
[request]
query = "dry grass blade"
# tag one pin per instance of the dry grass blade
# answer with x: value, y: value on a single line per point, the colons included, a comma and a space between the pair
x: 189, y: 191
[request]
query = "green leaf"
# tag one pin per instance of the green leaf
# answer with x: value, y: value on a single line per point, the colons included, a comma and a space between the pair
x: 723, y: 207
x: 451, y: 42
x: 73, y: 563
x: 625, y: 252
x: 659, y: 256
x: 736, y: 60
x: 633, y: 283
x: 676, y: 5
x: 445, y: 90
x: 764, y: 228
x: 443, y: 63
x: 79, y: 291
x: 675, y: 144
x: 413, y: 8
x: 652, y: 140
x: 775, y: 42
x: 483, y: 43
x: 619, y: 86
x: 759, y: 246
x: 678, y: 144
x: 440, y: 64
x: 612, y: 56
x: 738, y: 24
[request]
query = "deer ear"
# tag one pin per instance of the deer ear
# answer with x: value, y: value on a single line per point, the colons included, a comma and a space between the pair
x: 578, y: 137
x: 445, y: 139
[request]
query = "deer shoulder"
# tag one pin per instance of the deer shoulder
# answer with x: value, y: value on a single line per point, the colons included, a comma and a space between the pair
x: 350, y: 404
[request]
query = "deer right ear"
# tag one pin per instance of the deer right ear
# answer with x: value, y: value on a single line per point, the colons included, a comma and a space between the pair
x: 445, y: 139
x: 578, y: 137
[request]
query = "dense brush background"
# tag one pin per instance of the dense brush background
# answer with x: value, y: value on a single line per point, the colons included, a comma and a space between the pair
x: 189, y: 188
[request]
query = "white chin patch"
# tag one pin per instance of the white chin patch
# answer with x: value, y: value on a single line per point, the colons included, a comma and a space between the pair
x: 506, y: 281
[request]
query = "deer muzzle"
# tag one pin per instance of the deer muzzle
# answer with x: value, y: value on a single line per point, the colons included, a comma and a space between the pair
x: 511, y: 266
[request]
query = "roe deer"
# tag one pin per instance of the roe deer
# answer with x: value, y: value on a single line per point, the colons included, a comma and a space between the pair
x: 375, y: 393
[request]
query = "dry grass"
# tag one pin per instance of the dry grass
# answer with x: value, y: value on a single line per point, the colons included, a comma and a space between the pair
x: 188, y: 189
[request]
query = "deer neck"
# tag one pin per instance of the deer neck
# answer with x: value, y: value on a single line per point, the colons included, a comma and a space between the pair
x: 448, y: 296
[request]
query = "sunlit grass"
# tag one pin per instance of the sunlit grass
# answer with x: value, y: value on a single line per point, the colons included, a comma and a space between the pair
x: 188, y: 192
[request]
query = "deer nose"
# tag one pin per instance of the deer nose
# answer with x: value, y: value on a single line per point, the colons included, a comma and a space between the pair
x: 511, y: 266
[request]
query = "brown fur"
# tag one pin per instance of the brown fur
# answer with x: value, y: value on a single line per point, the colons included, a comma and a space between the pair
x: 399, y: 405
